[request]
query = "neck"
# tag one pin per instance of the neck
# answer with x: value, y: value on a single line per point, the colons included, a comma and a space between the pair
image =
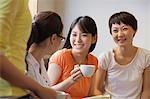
x: 37, y: 52
x: 125, y: 51
x: 80, y: 58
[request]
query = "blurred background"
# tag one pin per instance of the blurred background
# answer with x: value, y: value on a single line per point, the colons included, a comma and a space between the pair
x: 100, y: 11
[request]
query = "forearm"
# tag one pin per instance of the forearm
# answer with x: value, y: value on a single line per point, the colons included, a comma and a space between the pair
x: 146, y: 84
x: 9, y: 72
x: 99, y: 79
x: 64, y: 85
x: 97, y: 92
x: 145, y: 95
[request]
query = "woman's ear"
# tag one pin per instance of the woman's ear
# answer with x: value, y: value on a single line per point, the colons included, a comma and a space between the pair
x: 53, y: 38
x: 94, y: 39
x: 134, y: 33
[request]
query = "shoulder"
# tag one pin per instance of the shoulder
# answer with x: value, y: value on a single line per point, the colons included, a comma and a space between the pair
x: 144, y: 56
x: 92, y: 58
x: 60, y: 55
x: 105, y: 58
x: 106, y: 54
x: 61, y: 52
x: 144, y: 51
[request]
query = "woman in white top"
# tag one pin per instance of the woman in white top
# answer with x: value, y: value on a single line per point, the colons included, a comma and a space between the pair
x: 124, y: 71
x: 44, y: 40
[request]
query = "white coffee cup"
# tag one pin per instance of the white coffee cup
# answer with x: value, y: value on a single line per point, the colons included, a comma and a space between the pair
x: 61, y: 95
x: 87, y: 70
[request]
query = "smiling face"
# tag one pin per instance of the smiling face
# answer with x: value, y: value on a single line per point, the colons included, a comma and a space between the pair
x: 122, y: 34
x: 81, y: 42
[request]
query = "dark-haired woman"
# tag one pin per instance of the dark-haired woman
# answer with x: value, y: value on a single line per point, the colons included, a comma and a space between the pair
x: 44, y: 40
x: 81, y: 40
x: 124, y: 71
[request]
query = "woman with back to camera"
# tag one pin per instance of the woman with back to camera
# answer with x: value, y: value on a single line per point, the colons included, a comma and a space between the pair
x: 124, y: 71
x: 44, y: 40
x: 81, y: 40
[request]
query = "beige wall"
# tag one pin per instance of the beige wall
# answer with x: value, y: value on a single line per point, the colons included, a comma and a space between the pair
x: 44, y: 5
x: 100, y: 11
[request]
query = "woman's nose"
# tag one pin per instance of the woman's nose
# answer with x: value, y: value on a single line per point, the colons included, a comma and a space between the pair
x: 78, y: 38
x: 120, y: 33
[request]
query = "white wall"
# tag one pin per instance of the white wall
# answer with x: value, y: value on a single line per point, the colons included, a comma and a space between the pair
x: 33, y: 7
x: 101, y: 10
x: 47, y: 5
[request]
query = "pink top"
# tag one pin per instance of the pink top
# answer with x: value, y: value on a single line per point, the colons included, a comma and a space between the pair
x: 125, y: 81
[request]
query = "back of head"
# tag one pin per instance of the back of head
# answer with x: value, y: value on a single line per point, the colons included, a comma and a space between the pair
x: 45, y: 24
x: 123, y: 17
x: 86, y: 25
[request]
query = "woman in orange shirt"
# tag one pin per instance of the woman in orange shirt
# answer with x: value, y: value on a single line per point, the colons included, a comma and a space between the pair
x: 80, y: 42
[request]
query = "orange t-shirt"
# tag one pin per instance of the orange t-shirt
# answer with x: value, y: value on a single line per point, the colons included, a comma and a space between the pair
x: 66, y: 62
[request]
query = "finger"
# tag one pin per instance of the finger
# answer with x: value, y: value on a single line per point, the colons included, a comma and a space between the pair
x: 75, y: 70
x: 76, y: 65
x: 77, y: 77
x: 77, y: 74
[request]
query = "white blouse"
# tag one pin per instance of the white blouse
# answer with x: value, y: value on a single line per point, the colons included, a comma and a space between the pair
x: 125, y: 82
x: 34, y: 71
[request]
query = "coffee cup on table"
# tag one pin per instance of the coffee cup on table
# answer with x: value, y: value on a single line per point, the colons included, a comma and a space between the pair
x: 87, y: 70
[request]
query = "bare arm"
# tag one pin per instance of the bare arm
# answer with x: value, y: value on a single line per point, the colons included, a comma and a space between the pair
x: 146, y: 84
x: 9, y: 72
x: 98, y: 83
x: 92, y: 86
x: 54, y: 69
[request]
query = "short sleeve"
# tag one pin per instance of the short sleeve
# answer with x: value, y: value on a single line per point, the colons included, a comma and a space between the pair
x: 104, y: 60
x: 147, y: 58
x: 7, y: 15
x: 57, y: 58
x: 93, y: 60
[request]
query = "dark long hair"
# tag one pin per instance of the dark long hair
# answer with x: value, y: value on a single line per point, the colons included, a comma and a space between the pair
x: 123, y: 17
x: 86, y: 25
x: 45, y: 24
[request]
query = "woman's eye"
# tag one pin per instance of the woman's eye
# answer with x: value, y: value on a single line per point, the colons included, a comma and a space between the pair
x: 125, y: 29
x: 73, y: 34
x: 84, y: 35
x: 115, y: 31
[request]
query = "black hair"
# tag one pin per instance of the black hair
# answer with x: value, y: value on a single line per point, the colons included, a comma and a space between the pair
x: 45, y: 24
x: 123, y: 17
x: 86, y: 25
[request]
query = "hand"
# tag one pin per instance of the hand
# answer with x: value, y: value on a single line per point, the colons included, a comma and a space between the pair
x: 76, y: 73
x: 33, y: 95
x: 46, y: 93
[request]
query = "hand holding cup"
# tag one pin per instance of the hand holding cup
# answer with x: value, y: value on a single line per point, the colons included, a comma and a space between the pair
x: 76, y: 73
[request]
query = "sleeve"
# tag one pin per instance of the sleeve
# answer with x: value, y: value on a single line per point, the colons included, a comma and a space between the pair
x: 57, y: 58
x: 104, y: 60
x: 7, y: 15
x: 147, y: 59
x: 93, y: 60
